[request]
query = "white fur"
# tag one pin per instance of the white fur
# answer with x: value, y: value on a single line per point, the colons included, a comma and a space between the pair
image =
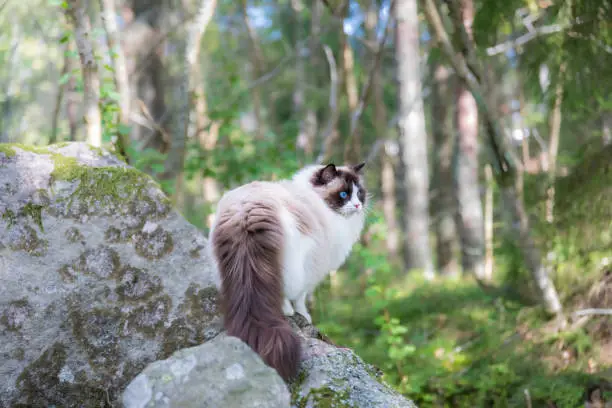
x: 309, y: 258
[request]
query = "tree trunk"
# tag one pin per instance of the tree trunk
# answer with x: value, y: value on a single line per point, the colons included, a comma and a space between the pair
x: 59, y: 97
x: 310, y: 120
x: 305, y: 135
x: 553, y: 145
x: 488, y: 220
x: 412, y: 139
x: 352, y: 147
x: 258, y: 68
x: 176, y: 155
x: 470, y: 221
x: 606, y: 128
x: 387, y: 178
x: 89, y: 68
x: 330, y: 134
x: 443, y: 200
x: 504, y: 163
x: 207, y: 135
x: 120, y: 77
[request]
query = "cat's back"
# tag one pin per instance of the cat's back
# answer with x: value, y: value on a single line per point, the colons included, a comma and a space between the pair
x: 256, y: 191
x: 295, y: 206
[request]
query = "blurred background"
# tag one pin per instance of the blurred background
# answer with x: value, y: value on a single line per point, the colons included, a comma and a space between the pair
x: 487, y: 131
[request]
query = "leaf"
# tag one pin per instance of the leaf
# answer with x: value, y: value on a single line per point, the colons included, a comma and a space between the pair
x: 123, y: 129
x: 64, y: 78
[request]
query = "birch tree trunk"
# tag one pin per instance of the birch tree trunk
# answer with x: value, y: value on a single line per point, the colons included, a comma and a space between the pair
x: 469, y: 205
x: 120, y: 77
x: 258, y: 68
x: 176, y: 155
x: 443, y: 201
x: 504, y: 163
x: 412, y: 139
x: 91, y: 81
x: 606, y: 128
x: 553, y: 145
x: 387, y: 177
x: 352, y: 147
x: 59, y: 98
x: 488, y: 218
x: 311, y: 124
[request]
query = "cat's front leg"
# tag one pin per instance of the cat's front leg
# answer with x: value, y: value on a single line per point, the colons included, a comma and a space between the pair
x: 287, y: 308
x: 300, y: 307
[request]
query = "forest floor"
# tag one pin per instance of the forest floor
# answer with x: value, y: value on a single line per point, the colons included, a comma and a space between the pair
x: 449, y: 343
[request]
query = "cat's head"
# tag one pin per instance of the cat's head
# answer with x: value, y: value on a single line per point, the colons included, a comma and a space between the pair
x: 342, y: 187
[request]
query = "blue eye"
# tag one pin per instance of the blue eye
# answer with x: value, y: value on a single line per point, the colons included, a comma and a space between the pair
x: 343, y: 195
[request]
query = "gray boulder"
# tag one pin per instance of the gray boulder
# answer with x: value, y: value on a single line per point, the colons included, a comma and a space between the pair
x: 331, y: 376
x: 223, y: 372
x: 98, y: 277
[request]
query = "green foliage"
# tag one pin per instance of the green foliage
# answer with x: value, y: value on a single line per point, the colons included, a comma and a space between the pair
x: 449, y: 343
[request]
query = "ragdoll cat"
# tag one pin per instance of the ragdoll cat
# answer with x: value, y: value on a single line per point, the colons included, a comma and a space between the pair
x: 273, y: 242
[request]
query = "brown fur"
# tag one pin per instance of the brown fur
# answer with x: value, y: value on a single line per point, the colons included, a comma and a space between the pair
x: 248, y: 242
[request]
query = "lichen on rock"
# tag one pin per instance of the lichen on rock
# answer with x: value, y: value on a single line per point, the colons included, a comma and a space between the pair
x: 137, y: 285
x: 101, y: 261
x: 73, y: 235
x: 94, y: 312
x: 223, y: 372
x: 15, y: 314
x: 153, y: 245
x: 24, y: 238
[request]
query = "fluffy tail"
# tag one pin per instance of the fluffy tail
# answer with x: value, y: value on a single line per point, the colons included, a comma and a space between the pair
x: 248, y: 244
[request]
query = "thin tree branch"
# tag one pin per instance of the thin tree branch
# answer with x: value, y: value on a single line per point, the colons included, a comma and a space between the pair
x: 328, y: 135
x: 365, y: 93
x: 504, y: 163
x: 585, y: 312
x: 523, y: 39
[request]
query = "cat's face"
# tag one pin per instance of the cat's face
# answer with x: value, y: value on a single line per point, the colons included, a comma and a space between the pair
x: 341, y: 188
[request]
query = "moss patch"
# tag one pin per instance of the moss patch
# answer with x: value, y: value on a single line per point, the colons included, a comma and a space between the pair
x: 150, y: 318
x: 31, y: 210
x: 179, y: 335
x: 154, y: 245
x: 105, y: 186
x: 41, y: 384
x: 15, y: 314
x: 25, y: 238
x: 97, y: 332
x: 101, y: 261
x: 322, y: 397
x: 7, y: 149
x: 200, y: 305
x: 138, y: 285
x: 73, y: 235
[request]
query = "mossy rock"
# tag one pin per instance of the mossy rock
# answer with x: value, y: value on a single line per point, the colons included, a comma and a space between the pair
x: 89, y: 285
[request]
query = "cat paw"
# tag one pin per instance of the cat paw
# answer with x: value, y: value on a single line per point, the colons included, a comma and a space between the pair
x: 287, y: 308
x: 306, y: 315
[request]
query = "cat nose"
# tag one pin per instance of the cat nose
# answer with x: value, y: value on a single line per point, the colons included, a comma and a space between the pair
x: 357, y: 205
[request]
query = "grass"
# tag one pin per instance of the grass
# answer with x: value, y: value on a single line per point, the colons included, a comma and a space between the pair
x: 450, y: 344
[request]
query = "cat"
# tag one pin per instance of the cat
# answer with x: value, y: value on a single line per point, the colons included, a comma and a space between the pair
x: 273, y: 242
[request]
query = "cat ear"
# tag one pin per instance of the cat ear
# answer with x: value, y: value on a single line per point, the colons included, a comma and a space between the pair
x: 357, y: 168
x: 328, y: 173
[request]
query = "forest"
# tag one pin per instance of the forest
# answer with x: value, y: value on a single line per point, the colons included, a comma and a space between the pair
x: 483, y: 276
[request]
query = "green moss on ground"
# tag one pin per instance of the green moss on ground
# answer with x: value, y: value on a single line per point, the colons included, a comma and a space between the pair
x: 471, y: 348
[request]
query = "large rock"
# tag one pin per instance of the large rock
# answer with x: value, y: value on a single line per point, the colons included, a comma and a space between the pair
x: 336, y: 377
x: 98, y: 277
x: 223, y: 372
